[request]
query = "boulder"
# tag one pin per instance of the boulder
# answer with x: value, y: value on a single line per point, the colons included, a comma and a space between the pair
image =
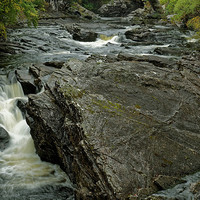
x: 113, y: 126
x: 81, y: 34
x: 55, y: 64
x: 4, y: 138
x: 119, y: 8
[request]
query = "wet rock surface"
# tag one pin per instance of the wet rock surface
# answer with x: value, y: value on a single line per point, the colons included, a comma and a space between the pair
x: 80, y: 34
x: 4, y: 139
x: 114, y: 126
x: 43, y: 193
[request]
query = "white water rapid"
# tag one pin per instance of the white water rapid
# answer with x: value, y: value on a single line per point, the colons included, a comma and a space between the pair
x: 20, y: 166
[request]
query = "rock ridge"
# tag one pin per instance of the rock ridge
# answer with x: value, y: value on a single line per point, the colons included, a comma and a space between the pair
x: 120, y: 129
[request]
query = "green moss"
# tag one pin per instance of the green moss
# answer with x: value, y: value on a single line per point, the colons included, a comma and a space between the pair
x: 72, y: 92
x: 116, y: 109
x: 113, y: 108
x: 137, y: 106
x: 110, y: 106
x: 155, y: 98
x: 168, y: 162
x: 105, y: 37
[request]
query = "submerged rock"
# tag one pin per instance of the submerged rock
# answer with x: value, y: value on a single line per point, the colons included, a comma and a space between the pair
x: 116, y: 127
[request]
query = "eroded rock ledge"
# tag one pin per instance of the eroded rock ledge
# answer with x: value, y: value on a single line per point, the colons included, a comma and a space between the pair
x: 120, y: 129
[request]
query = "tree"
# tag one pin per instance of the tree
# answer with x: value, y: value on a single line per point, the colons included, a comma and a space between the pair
x: 13, y: 10
x: 186, y: 11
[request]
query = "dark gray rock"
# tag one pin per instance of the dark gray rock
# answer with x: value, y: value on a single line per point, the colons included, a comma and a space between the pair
x: 119, y: 8
x: 163, y: 35
x: 27, y: 81
x: 81, y: 34
x: 166, y: 182
x: 55, y: 64
x: 172, y: 51
x: 9, y: 48
x: 4, y: 138
x: 113, y: 126
x: 154, y: 59
x: 21, y: 104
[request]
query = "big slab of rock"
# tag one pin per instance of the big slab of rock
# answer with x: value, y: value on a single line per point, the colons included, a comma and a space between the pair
x: 116, y: 127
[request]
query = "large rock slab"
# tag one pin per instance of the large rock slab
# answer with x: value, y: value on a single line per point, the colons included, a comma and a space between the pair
x: 120, y: 129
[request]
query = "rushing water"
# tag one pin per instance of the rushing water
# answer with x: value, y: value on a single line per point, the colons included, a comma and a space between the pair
x: 21, y: 169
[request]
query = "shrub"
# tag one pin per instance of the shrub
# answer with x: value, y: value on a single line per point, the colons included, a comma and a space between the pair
x: 13, y: 10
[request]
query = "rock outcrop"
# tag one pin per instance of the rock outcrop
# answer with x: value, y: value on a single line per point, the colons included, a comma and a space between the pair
x: 119, y: 8
x: 120, y: 129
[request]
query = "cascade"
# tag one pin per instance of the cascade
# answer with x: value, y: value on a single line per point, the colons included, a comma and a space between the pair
x: 20, y: 167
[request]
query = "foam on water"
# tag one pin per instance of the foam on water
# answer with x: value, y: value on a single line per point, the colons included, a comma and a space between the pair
x: 20, y: 166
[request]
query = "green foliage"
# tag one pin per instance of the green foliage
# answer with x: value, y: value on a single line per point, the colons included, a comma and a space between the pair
x: 186, y: 11
x: 186, y: 8
x: 13, y: 10
x: 2, y: 30
x: 93, y: 5
x: 195, y: 24
x: 88, y: 5
x: 182, y: 8
x: 170, y: 4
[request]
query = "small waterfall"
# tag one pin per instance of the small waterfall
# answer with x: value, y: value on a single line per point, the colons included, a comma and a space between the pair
x: 20, y: 167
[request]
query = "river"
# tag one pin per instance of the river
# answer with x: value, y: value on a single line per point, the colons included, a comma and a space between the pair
x: 22, y: 174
